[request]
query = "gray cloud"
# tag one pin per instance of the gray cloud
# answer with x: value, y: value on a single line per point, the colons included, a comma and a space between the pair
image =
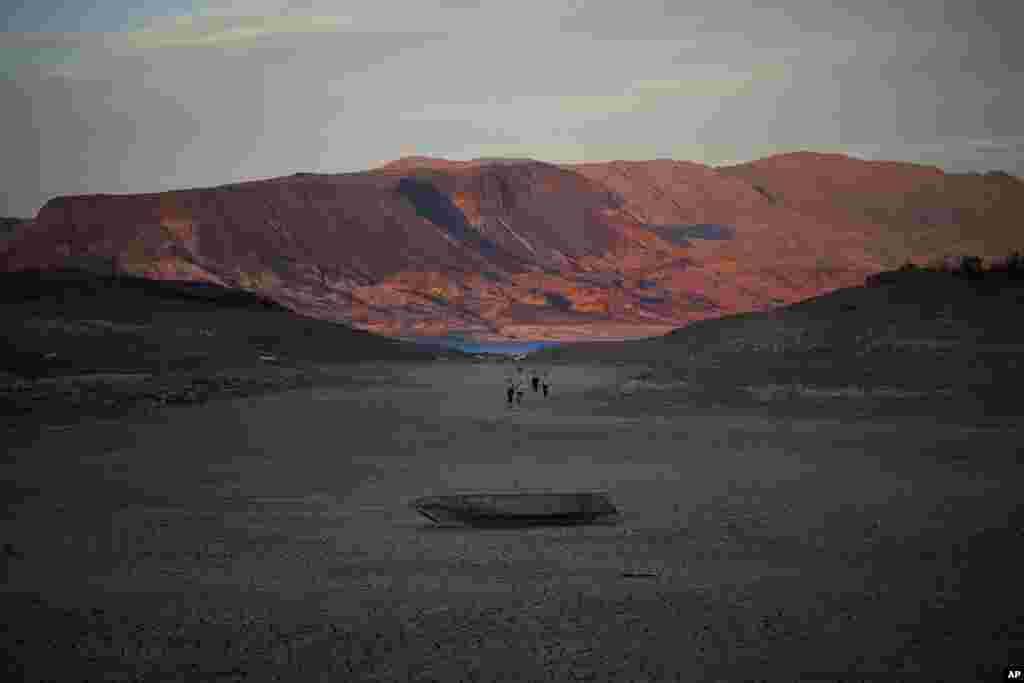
x: 266, y: 88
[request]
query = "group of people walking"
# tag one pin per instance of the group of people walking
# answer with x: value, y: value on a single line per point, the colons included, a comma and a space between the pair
x: 516, y: 385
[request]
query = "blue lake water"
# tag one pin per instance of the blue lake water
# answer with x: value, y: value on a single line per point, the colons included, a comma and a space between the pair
x: 471, y: 346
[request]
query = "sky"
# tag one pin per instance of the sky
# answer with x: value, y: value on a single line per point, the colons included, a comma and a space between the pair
x: 147, y: 95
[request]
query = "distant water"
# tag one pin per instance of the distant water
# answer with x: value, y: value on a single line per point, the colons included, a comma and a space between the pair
x: 471, y: 346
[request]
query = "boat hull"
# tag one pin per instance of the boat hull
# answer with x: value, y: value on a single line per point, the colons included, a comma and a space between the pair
x: 516, y: 509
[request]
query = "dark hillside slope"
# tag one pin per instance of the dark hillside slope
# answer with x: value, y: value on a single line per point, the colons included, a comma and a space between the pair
x: 915, y: 335
x: 69, y: 322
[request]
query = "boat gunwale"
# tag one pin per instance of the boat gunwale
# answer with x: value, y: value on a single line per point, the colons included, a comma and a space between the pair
x: 457, y: 508
x: 525, y: 492
x: 464, y: 499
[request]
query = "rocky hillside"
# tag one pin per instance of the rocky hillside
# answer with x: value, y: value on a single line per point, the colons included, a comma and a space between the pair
x: 917, y: 338
x: 66, y: 322
x: 901, y: 211
x: 497, y: 249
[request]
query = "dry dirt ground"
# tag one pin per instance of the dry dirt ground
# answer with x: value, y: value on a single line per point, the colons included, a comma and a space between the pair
x: 269, y: 538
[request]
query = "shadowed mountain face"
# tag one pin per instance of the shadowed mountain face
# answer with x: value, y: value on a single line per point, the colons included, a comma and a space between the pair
x: 436, y: 207
x: 500, y: 248
x: 682, y: 234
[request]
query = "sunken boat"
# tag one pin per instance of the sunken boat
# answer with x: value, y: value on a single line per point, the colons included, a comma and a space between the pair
x: 517, y: 508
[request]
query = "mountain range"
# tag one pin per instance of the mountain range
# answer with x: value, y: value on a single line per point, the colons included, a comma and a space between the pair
x: 495, y: 249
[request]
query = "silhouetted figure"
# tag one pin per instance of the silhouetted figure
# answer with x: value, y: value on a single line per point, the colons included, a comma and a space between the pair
x: 511, y: 393
x: 546, y: 388
x: 519, y: 394
x: 535, y: 380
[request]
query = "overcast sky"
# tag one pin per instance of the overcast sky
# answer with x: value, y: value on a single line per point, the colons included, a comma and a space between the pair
x: 145, y: 95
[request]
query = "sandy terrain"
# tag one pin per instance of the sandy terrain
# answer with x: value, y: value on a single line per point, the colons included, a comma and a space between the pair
x: 268, y: 536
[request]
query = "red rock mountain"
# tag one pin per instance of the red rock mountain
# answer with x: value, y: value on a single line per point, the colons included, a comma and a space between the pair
x: 905, y: 211
x: 517, y: 248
